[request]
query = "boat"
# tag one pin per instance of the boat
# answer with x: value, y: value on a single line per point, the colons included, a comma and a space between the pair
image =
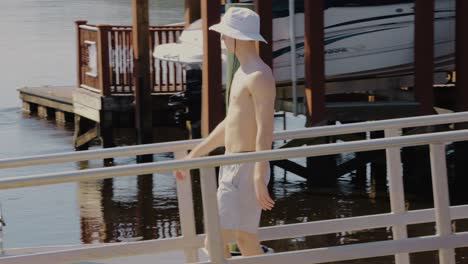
x: 363, y: 39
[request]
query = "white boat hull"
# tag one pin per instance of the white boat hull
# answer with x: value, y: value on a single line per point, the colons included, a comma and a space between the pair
x: 360, y: 42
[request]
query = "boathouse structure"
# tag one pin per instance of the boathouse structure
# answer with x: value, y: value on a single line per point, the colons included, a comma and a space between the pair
x: 106, y: 93
x: 108, y: 74
x: 114, y: 91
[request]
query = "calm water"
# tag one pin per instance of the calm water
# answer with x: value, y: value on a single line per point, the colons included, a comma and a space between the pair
x: 38, y: 48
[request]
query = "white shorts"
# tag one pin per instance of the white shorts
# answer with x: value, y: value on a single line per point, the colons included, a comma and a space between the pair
x: 237, y: 202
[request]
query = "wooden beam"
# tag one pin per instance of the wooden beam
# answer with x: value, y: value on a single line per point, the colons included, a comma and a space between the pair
x: 265, y: 10
x: 103, y: 59
x: 461, y: 88
x: 192, y: 11
x: 212, y: 100
x: 141, y: 75
x: 314, y: 56
x: 424, y: 55
x: 78, y: 23
x: 462, y: 55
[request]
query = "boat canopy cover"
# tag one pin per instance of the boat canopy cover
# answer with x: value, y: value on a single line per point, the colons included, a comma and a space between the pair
x: 281, y: 7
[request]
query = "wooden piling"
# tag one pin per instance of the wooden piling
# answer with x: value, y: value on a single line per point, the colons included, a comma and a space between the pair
x: 42, y: 111
x: 142, y: 78
x: 461, y: 88
x: 424, y: 55
x: 29, y: 107
x: 265, y: 10
x: 212, y: 100
x: 314, y: 59
x: 78, y: 23
x: 461, y: 58
x: 192, y: 11
x: 314, y: 56
x: 103, y: 59
x: 60, y: 117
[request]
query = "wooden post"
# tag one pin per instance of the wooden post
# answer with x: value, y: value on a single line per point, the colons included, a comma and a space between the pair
x: 212, y: 101
x: 314, y: 56
x: 192, y: 11
x: 265, y: 10
x: 461, y: 88
x: 142, y: 78
x: 424, y: 55
x: 78, y: 23
x: 103, y: 59
x: 462, y: 55
x: 314, y: 60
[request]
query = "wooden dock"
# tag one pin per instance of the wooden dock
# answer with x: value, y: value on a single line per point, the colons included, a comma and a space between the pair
x: 49, y: 101
x: 96, y: 116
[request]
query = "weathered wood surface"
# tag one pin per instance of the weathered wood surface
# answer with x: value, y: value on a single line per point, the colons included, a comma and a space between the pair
x: 314, y: 60
x: 141, y: 75
x: 213, y: 111
x: 424, y: 55
x: 59, y: 98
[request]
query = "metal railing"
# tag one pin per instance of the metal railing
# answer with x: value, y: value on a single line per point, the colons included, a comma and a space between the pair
x: 105, y: 59
x: 444, y: 241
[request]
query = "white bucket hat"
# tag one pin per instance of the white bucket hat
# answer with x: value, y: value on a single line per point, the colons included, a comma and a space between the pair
x: 240, y: 23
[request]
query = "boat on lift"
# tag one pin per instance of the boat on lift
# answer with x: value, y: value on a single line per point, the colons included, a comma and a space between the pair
x: 363, y: 39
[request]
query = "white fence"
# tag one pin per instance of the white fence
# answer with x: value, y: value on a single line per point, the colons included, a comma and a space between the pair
x: 444, y: 241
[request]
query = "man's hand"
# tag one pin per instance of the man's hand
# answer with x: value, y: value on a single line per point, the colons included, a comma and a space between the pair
x: 180, y: 174
x: 263, y: 197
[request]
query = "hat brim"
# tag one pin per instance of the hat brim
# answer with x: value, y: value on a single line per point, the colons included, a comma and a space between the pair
x: 236, y: 34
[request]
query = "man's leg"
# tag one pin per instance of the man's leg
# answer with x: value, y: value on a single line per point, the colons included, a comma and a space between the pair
x: 248, y: 243
x: 228, y: 236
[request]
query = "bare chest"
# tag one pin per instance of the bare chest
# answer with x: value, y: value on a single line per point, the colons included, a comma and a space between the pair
x: 239, y: 94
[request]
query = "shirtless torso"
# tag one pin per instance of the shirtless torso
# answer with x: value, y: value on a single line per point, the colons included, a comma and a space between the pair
x: 241, y: 122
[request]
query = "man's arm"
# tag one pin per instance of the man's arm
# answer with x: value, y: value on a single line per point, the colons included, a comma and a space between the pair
x: 214, y: 140
x: 262, y: 88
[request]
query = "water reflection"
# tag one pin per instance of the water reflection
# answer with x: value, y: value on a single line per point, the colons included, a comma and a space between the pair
x: 127, y: 209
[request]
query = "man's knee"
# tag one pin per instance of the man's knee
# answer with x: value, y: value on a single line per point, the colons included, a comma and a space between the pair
x: 244, y: 237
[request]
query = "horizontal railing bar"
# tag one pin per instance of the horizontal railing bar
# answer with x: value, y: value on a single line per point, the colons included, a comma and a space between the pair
x: 412, y: 217
x: 88, y: 27
x: 280, y: 135
x: 358, y: 251
x: 369, y: 126
x: 277, y: 154
x: 114, y: 250
x: 99, y: 154
x: 356, y: 223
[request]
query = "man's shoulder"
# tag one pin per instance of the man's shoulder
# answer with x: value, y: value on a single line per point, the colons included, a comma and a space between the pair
x: 261, y: 74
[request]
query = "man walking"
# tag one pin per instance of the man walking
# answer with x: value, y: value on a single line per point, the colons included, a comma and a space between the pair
x: 248, y: 127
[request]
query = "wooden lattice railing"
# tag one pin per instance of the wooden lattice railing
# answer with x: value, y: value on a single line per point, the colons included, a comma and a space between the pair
x: 105, y: 59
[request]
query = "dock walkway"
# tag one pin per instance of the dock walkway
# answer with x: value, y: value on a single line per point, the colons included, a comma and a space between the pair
x: 48, y: 101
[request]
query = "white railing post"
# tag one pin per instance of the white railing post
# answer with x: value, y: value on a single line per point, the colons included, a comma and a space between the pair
x: 441, y: 199
x: 397, y: 193
x: 211, y: 216
x: 186, y: 212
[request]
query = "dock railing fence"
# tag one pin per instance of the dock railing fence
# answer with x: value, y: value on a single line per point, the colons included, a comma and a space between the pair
x: 445, y: 240
x: 105, y: 59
